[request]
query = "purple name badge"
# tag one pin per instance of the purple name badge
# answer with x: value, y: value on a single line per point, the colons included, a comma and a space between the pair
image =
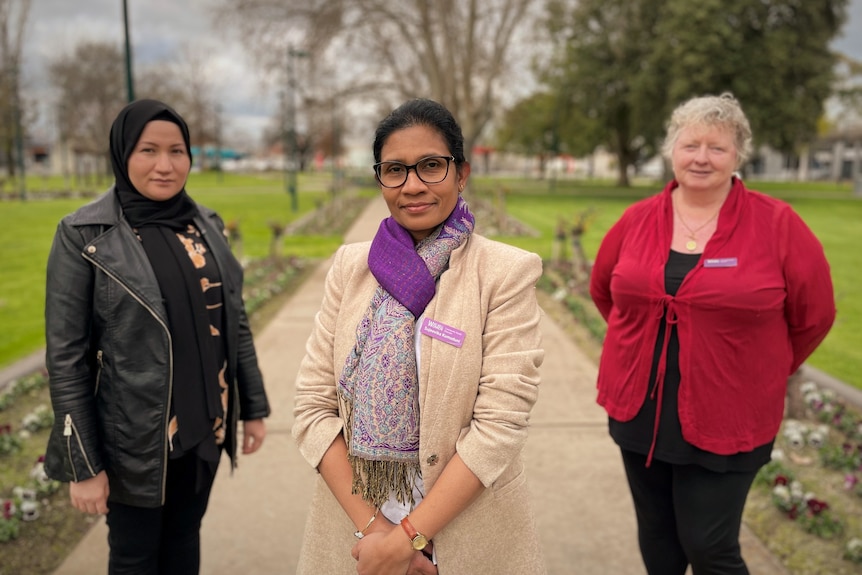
x: 443, y: 332
x: 720, y: 263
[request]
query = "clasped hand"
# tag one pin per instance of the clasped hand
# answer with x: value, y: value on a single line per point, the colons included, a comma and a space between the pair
x: 384, y: 553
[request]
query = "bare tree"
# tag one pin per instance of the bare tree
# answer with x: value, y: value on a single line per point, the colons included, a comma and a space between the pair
x: 456, y: 52
x: 91, y: 88
x: 13, y: 19
x: 185, y: 84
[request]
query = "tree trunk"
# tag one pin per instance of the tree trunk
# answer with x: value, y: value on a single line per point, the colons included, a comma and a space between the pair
x: 623, y: 174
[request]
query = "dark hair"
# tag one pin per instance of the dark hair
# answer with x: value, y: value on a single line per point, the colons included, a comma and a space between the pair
x: 422, y: 112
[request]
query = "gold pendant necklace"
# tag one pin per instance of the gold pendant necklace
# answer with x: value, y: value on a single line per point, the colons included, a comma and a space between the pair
x: 691, y: 244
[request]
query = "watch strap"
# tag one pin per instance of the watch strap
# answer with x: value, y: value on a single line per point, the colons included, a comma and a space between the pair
x: 417, y: 540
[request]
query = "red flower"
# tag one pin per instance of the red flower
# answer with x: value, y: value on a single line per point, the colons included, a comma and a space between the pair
x: 41, y: 459
x: 7, y: 509
x: 781, y: 480
x: 794, y: 512
x: 816, y: 507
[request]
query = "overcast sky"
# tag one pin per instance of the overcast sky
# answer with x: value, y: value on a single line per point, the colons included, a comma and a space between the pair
x: 159, y: 28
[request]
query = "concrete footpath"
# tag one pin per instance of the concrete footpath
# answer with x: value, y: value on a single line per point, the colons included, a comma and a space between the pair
x: 256, y: 518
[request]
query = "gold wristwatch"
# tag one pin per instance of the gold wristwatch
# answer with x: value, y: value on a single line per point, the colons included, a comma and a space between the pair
x: 418, y: 540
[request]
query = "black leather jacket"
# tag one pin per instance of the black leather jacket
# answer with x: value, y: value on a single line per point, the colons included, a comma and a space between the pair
x: 109, y: 353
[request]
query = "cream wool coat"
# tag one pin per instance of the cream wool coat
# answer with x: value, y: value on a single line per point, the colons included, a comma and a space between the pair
x: 475, y: 400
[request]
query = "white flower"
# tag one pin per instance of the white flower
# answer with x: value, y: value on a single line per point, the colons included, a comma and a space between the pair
x: 795, y: 439
x: 782, y: 493
x: 28, y: 495
x: 38, y: 473
x: 777, y: 455
x: 816, y: 439
x: 796, y: 489
x: 808, y: 387
x: 29, y: 510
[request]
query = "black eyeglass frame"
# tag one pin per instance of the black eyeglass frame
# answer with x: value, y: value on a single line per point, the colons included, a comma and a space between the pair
x: 449, y: 159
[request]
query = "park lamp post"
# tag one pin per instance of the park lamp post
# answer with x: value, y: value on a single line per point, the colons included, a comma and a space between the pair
x: 130, y: 83
x: 291, y: 148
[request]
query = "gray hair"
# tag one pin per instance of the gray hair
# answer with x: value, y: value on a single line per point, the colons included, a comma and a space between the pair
x: 723, y: 110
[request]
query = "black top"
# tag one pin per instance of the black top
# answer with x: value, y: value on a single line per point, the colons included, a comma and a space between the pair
x: 636, y: 435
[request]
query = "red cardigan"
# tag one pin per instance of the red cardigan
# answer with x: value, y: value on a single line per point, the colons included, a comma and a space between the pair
x: 756, y: 305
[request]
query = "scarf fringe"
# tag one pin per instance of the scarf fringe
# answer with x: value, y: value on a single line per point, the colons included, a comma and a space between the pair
x: 375, y: 481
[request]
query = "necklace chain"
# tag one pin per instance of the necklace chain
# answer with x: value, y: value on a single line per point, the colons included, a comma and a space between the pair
x: 691, y: 244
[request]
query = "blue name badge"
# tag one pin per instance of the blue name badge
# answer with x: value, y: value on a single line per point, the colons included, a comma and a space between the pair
x: 720, y: 263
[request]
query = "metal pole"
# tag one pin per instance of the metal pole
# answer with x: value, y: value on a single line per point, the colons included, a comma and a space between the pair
x: 291, y: 131
x: 218, y: 150
x: 19, y: 136
x: 130, y: 83
x: 336, y: 136
x: 293, y: 160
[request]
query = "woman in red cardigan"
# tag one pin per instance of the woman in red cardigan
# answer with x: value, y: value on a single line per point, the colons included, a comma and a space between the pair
x: 714, y: 294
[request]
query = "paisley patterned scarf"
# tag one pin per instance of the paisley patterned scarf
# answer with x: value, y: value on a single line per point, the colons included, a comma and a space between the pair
x: 379, y: 385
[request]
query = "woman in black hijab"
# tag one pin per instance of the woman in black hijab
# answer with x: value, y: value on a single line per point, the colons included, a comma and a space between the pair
x: 149, y: 351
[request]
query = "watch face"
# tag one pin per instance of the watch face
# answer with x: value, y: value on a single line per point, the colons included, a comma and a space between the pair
x: 419, y: 542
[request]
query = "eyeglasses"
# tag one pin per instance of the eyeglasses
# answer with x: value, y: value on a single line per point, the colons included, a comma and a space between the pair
x: 431, y: 170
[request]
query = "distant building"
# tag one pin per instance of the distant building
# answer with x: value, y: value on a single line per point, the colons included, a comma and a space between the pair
x: 836, y: 157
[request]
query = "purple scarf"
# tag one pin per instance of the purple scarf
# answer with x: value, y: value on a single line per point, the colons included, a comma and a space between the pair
x: 379, y: 385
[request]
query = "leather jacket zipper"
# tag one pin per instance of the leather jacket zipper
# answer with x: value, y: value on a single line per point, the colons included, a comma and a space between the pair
x: 69, y: 431
x: 170, y: 366
x: 98, y: 371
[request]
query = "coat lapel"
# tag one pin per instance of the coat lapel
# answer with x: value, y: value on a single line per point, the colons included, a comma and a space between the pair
x: 438, y: 359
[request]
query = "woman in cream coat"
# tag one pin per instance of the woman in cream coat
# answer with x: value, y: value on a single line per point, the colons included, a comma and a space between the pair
x: 477, y: 353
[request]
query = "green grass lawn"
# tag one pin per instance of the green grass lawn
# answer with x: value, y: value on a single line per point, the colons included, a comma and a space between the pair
x: 27, y: 229
x: 256, y: 201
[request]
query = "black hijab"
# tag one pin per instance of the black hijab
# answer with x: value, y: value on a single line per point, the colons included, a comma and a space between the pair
x: 125, y: 133
x: 196, y: 359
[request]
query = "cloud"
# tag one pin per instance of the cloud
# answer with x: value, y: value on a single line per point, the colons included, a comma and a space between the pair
x: 159, y: 30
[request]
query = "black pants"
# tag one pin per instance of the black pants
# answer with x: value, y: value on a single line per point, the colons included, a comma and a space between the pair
x: 163, y: 540
x: 687, y: 514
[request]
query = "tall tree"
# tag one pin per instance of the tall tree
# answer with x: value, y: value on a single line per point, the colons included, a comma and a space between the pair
x: 629, y: 62
x: 13, y: 20
x: 91, y: 86
x: 185, y: 84
x: 774, y: 56
x: 544, y: 124
x: 453, y: 51
x: 601, y: 67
